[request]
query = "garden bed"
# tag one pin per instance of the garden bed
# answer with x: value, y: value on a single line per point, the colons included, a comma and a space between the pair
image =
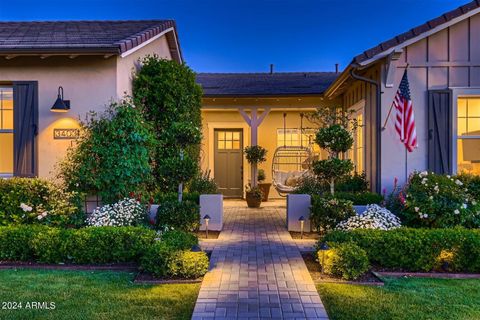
x: 148, y: 278
x: 126, y: 267
x: 430, y: 275
x: 306, y: 235
x: 211, y: 234
x: 315, y: 270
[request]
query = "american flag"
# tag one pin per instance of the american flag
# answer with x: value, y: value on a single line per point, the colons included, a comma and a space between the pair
x: 405, y: 121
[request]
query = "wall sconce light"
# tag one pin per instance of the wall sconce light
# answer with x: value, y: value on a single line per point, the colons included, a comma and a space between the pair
x: 60, y: 105
x: 323, y: 247
x: 206, y: 218
x: 302, y: 225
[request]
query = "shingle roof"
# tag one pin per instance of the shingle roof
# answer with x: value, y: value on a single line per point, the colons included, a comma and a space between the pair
x: 414, y: 32
x: 71, y: 36
x: 265, y: 84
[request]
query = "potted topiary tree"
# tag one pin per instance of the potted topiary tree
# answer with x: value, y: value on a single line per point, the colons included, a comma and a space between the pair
x: 253, y: 194
x: 264, y: 186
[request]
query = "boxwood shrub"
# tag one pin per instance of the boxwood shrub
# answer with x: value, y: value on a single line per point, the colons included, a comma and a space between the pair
x: 183, y: 215
x: 346, y: 260
x: 416, y: 249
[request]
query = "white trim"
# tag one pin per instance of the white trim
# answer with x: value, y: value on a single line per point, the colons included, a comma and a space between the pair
x: 458, y: 93
x: 424, y: 35
x: 143, y: 44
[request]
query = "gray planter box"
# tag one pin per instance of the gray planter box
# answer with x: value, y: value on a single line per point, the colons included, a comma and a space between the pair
x: 359, y: 209
x: 298, y: 205
x: 211, y: 204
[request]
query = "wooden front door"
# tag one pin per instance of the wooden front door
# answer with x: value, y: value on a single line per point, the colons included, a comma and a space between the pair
x: 228, y: 158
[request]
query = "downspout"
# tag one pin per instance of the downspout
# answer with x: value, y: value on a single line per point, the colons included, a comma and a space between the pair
x: 378, y: 127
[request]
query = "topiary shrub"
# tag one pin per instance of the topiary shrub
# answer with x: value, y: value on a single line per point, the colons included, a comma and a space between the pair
x: 346, y: 260
x: 37, y: 201
x: 112, y: 156
x: 188, y: 264
x: 183, y: 215
x: 326, y: 213
x: 310, y: 185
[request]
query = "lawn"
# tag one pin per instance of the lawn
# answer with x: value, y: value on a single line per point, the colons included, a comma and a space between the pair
x: 93, y: 295
x: 403, y: 299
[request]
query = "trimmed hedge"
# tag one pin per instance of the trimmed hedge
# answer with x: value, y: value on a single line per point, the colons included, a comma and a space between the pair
x: 416, y: 249
x: 360, y: 198
x: 346, y: 260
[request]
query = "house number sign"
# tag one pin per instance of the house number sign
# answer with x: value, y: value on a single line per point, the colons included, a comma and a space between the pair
x: 66, y: 134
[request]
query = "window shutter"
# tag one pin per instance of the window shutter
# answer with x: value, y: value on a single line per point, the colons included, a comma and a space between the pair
x: 440, y: 131
x: 25, y: 130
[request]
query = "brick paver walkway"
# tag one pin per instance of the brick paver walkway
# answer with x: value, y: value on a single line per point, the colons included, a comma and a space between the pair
x: 257, y: 271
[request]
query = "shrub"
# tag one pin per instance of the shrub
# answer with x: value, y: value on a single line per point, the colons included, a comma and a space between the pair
x: 188, y: 264
x: 335, y: 138
x: 375, y: 217
x: 309, y: 185
x: 171, y: 196
x: 15, y: 242
x: 203, y: 184
x: 261, y: 175
x: 414, y: 249
x: 183, y: 215
x: 126, y: 212
x: 345, y: 260
x: 179, y: 240
x: 326, y: 213
x: 360, y: 198
x: 331, y: 169
x: 472, y: 184
x: 353, y: 183
x: 112, y: 156
x: 157, y: 258
x: 439, y: 201
x: 36, y: 201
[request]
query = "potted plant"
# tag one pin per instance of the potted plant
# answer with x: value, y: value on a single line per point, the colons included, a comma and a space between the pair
x: 253, y: 195
x: 255, y: 155
x: 265, y: 187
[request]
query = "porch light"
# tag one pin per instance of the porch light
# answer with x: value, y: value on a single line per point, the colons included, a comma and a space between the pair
x: 60, y: 105
x: 323, y: 247
x: 302, y: 224
x: 206, y: 218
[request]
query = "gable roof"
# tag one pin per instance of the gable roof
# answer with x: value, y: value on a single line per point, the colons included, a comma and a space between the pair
x: 265, y: 84
x: 102, y: 37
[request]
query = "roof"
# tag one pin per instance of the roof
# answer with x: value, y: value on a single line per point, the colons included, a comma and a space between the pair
x: 114, y: 37
x: 265, y: 84
x: 417, y: 31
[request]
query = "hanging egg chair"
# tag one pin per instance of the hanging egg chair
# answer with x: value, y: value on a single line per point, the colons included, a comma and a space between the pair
x: 290, y: 164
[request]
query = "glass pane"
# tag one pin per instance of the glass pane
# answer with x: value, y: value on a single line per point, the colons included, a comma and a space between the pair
x: 462, y: 107
x: 462, y: 126
x: 221, y: 144
x: 468, y: 156
x: 221, y: 135
x: 229, y: 136
x: 236, y: 144
x: 6, y: 154
x: 7, y: 116
x: 473, y: 126
x: 228, y: 144
x: 473, y: 107
x: 236, y: 136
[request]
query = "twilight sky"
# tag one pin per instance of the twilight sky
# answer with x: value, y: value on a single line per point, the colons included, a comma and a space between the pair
x: 248, y: 35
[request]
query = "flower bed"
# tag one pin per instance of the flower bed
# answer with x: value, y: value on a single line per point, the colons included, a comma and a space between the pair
x: 375, y: 217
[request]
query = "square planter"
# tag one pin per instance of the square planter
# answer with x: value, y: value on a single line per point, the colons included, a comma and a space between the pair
x: 359, y: 209
x: 211, y: 204
x: 298, y: 205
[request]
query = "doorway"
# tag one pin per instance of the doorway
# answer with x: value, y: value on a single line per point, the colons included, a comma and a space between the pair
x: 228, y: 161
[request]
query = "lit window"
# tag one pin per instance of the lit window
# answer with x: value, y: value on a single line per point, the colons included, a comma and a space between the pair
x: 356, y: 154
x: 228, y: 140
x: 6, y: 130
x: 468, y: 135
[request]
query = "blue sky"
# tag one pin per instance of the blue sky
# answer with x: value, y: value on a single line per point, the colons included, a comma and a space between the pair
x: 248, y: 35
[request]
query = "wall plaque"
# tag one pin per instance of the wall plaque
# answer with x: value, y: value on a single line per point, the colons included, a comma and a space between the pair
x: 66, y: 134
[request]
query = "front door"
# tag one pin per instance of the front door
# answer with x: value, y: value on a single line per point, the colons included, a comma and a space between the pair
x: 228, y: 168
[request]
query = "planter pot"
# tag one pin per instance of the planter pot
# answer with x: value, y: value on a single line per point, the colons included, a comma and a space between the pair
x: 265, y: 187
x: 211, y: 204
x: 253, y: 201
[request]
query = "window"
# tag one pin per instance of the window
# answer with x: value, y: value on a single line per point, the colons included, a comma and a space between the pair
x: 291, y: 138
x: 468, y: 135
x: 228, y: 140
x: 356, y: 154
x: 6, y: 131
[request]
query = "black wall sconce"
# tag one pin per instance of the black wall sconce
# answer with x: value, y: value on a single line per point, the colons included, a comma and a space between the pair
x: 60, y: 105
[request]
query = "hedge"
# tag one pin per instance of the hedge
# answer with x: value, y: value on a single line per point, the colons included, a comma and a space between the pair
x: 416, y: 249
x: 101, y: 245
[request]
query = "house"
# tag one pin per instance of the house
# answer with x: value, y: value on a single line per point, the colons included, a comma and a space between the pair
x: 89, y: 62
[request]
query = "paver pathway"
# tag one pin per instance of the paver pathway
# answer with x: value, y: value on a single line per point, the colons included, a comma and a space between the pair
x: 257, y: 271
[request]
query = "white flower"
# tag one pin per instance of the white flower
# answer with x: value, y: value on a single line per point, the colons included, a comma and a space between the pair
x: 40, y: 217
x: 448, y: 176
x: 474, y: 202
x: 375, y: 217
x: 456, y: 211
x: 425, y: 216
x: 417, y: 209
x: 458, y: 182
x: 126, y: 212
x: 464, y: 206
x: 25, y: 207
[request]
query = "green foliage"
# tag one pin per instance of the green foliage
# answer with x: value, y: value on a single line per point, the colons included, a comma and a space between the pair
x: 353, y: 183
x: 112, y: 156
x: 37, y: 201
x: 438, y: 201
x: 332, y: 168
x: 179, y: 239
x: 183, y: 215
x: 334, y: 138
x: 472, y: 184
x: 255, y: 192
x: 360, y: 198
x: 157, y: 258
x: 326, y: 213
x: 255, y: 154
x: 170, y: 100
x: 346, y: 260
x: 203, y: 184
x: 415, y: 249
x: 15, y: 242
x: 261, y: 175
x: 173, y: 196
x: 188, y: 264
x: 310, y: 185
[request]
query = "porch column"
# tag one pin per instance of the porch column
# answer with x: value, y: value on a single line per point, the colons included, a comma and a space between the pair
x: 254, y: 121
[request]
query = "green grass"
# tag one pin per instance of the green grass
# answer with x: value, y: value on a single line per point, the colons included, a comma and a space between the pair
x: 93, y: 295
x: 411, y: 298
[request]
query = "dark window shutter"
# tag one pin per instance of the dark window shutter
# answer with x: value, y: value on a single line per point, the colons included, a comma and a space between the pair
x: 25, y: 104
x: 440, y: 131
